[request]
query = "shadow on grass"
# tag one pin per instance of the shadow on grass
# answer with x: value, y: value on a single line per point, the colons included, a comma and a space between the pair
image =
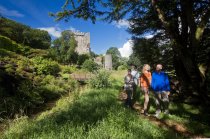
x: 197, y: 119
x: 193, y: 120
x: 87, y: 110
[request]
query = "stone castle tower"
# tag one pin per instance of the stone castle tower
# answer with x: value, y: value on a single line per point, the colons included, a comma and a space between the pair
x: 83, y: 42
x: 108, y: 62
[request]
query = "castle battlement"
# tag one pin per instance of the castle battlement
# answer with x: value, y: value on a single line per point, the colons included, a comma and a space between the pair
x: 83, y: 42
x: 80, y: 34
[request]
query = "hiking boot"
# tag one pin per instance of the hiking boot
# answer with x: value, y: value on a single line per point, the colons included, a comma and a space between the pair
x: 157, y: 115
x: 146, y: 114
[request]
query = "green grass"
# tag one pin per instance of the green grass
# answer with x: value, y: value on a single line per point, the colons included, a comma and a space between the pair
x: 95, y: 114
x: 194, y: 118
x: 117, y: 78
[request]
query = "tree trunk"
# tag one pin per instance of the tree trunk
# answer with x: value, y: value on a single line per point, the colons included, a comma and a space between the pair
x: 189, y: 75
x: 181, y: 76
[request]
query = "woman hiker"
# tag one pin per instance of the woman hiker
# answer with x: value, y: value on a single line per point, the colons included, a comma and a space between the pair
x: 145, y: 82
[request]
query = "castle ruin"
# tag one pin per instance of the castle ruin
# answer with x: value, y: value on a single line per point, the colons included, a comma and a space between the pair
x: 108, y: 62
x: 83, y: 42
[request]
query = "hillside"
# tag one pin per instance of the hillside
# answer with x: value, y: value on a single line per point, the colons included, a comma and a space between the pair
x: 22, y: 34
x: 28, y: 79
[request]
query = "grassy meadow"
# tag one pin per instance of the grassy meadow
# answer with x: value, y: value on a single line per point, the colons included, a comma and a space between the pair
x: 97, y: 113
x: 90, y: 114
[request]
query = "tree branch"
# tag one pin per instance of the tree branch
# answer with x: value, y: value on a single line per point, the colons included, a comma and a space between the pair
x: 167, y: 25
x: 200, y: 28
x: 161, y: 15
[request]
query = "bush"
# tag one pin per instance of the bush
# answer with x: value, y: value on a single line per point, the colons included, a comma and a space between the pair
x: 52, y: 87
x: 101, y: 80
x: 37, y: 52
x: 82, y: 58
x: 25, y: 64
x: 4, y: 53
x: 19, y: 97
x: 45, y: 66
x: 6, y: 43
x: 9, y: 68
x: 68, y: 69
x: 90, y: 65
x: 122, y: 67
x: 26, y: 91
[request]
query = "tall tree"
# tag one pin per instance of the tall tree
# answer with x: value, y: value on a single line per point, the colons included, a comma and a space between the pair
x: 182, y: 21
x: 64, y: 48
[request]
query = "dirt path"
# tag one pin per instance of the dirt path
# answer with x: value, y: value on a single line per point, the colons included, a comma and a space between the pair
x: 179, y: 128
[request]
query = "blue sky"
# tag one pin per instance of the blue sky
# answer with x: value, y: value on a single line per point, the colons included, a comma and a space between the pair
x: 35, y: 14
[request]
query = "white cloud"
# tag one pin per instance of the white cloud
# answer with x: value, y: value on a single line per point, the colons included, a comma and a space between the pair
x: 126, y: 50
x: 149, y: 36
x: 54, y: 31
x: 73, y: 29
x: 6, y: 12
x: 122, y: 24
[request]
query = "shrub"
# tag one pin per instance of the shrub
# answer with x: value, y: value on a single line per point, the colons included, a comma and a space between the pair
x: 19, y: 100
x: 68, y: 69
x: 6, y: 43
x: 90, y: 65
x: 52, y: 87
x: 122, y: 67
x: 101, y: 80
x: 37, y: 52
x: 45, y: 66
x: 4, y: 53
x: 82, y: 58
x: 9, y: 68
x: 25, y: 64
x: 26, y: 91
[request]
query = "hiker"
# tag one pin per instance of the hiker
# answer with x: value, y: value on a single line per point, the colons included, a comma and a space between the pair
x: 135, y: 74
x: 128, y: 86
x: 161, y: 87
x: 145, y: 82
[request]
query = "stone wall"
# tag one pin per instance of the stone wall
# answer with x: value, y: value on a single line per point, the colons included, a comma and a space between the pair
x: 99, y: 60
x: 108, y: 62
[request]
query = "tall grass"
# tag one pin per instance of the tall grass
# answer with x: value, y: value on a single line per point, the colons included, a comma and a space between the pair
x: 95, y: 114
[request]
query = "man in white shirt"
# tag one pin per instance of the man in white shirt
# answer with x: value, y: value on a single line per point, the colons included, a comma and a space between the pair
x: 135, y: 75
